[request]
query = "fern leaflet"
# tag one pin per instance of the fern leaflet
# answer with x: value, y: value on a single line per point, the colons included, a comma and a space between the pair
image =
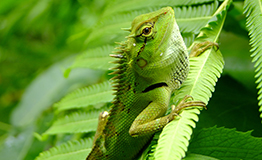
x: 253, y: 10
x: 127, y: 6
x: 189, y: 19
x: 76, y: 150
x: 97, y: 58
x: 193, y: 18
x: 95, y: 94
x: 76, y: 122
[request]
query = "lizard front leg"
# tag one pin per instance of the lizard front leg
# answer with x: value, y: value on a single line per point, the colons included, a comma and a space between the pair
x: 151, y: 119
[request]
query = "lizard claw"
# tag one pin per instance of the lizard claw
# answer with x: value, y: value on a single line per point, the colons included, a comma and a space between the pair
x: 184, y: 103
x: 200, y: 48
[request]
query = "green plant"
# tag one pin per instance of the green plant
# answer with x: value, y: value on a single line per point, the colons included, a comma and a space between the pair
x: 74, y: 118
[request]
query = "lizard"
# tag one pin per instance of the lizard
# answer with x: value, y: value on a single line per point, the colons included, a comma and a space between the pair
x: 151, y: 64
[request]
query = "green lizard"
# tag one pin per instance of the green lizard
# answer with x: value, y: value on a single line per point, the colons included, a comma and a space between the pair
x: 152, y: 63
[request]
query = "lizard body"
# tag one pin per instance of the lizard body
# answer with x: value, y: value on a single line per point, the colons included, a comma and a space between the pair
x: 152, y: 63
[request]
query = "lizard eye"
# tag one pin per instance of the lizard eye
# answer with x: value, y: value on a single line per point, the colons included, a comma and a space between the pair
x: 146, y: 31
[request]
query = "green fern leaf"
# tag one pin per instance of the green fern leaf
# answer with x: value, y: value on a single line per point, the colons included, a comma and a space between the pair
x: 203, y: 74
x: 95, y: 94
x: 189, y: 19
x: 107, y: 31
x: 97, y: 58
x: 120, y: 6
x: 76, y: 150
x: 253, y: 10
x: 75, y: 123
x: 148, y: 153
x: 193, y: 18
x: 174, y: 138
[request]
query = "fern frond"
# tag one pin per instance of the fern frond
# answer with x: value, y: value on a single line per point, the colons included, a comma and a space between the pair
x: 127, y: 6
x: 193, y: 18
x: 203, y: 74
x: 253, y: 11
x: 97, y: 58
x: 189, y: 18
x: 76, y: 122
x: 148, y: 153
x: 95, y: 94
x: 188, y: 38
x: 108, y: 34
x: 174, y: 138
x: 76, y: 150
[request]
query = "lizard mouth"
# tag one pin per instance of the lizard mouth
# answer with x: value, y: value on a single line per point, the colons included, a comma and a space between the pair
x: 154, y: 86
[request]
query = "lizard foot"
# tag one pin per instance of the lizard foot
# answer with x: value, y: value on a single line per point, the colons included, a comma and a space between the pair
x: 186, y: 103
x: 199, y: 48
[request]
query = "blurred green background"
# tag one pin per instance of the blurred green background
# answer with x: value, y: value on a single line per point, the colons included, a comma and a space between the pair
x: 38, y: 41
x: 33, y: 36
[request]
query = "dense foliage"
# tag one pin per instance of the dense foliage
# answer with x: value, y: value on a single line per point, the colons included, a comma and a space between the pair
x: 54, y: 77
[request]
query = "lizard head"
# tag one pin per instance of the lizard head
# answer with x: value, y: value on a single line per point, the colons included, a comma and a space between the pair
x: 156, y: 50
